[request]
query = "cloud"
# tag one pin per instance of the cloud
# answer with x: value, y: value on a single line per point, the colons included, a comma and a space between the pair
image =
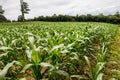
x: 70, y: 7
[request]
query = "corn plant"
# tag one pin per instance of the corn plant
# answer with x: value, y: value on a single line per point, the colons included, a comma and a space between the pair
x: 55, y: 51
x: 5, y: 70
x: 95, y: 71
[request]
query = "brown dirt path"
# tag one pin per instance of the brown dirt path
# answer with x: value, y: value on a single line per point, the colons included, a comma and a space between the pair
x: 112, y: 69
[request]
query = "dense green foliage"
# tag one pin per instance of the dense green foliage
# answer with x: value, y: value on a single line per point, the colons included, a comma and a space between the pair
x: 2, y: 17
x: 1, y: 10
x: 54, y: 51
x: 80, y: 18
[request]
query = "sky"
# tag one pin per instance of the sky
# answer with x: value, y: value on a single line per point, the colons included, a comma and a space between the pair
x: 65, y: 7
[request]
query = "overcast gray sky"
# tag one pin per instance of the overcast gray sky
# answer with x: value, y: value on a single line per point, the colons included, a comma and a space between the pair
x: 70, y: 7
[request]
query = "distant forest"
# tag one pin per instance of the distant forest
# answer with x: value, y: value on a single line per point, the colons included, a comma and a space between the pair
x: 115, y: 19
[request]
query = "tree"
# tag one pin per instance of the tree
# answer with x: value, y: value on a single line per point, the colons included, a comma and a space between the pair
x: 2, y: 17
x: 89, y: 17
x: 117, y: 14
x: 24, y: 9
x: 1, y: 10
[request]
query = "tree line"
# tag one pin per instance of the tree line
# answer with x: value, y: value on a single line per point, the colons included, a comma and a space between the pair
x: 115, y: 18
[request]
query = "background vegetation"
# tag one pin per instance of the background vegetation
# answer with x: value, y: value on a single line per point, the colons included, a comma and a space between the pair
x: 80, y: 18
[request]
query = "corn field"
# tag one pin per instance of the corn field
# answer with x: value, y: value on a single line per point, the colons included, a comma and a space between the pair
x: 54, y: 51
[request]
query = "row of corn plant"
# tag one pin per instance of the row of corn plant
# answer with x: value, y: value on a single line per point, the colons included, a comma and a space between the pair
x: 100, y: 57
x: 53, y: 51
